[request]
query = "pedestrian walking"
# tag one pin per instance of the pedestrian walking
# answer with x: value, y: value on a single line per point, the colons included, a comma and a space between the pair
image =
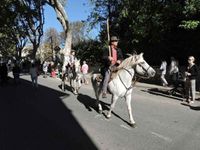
x: 174, y: 71
x: 34, y: 75
x: 84, y: 69
x: 16, y: 73
x: 45, y: 69
x: 191, y: 74
x: 163, y: 69
x: 3, y: 73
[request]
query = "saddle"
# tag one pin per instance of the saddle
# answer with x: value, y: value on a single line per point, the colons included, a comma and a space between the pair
x: 99, y: 78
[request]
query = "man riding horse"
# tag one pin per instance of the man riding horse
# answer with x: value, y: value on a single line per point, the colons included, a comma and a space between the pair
x: 69, y: 67
x: 111, y: 60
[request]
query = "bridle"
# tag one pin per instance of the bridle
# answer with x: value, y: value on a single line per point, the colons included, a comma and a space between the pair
x: 145, y: 74
x: 137, y: 74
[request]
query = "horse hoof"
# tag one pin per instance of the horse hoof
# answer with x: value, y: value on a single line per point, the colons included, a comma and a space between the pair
x: 108, y: 117
x: 75, y: 93
x: 133, y: 125
x: 100, y: 111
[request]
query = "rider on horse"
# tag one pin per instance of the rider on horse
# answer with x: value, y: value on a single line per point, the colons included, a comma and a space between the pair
x: 110, y: 62
x: 70, y: 62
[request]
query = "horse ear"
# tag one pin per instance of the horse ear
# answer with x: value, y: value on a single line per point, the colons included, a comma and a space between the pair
x: 141, y: 54
x: 134, y: 52
x: 128, y: 54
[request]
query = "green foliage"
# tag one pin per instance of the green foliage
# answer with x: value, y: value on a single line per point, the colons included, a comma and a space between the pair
x: 191, y: 12
x: 89, y: 50
x: 191, y: 24
x: 154, y: 27
x: 13, y: 29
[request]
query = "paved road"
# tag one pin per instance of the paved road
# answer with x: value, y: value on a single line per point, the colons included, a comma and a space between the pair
x: 47, y: 118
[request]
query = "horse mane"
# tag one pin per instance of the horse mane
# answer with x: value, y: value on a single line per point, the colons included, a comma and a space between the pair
x: 130, y: 61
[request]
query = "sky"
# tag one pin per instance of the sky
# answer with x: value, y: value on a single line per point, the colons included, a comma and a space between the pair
x: 77, y: 10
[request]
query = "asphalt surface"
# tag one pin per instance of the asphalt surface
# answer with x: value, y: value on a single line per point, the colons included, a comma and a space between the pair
x: 47, y: 118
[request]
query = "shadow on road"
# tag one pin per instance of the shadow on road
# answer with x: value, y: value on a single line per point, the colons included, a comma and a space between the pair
x: 90, y: 104
x: 66, y: 87
x: 191, y: 106
x: 161, y: 92
x: 36, y: 119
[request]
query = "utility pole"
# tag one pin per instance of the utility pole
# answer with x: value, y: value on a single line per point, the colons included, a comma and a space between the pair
x: 51, y: 40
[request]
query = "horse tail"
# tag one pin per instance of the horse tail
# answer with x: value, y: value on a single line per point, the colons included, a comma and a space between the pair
x: 93, y: 81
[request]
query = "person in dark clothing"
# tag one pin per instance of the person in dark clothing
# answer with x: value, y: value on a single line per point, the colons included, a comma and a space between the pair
x: 174, y: 71
x: 3, y: 73
x: 16, y: 73
x: 191, y: 74
x: 111, y: 60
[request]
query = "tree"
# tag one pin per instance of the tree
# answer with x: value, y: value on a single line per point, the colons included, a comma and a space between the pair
x: 7, y: 43
x: 51, y: 40
x: 89, y: 50
x: 78, y: 30
x: 192, y: 14
x: 152, y: 27
x: 58, y: 6
x: 32, y: 21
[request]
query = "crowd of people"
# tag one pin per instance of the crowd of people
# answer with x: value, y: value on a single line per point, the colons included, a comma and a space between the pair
x: 34, y: 69
x: 112, y: 57
x: 188, y: 77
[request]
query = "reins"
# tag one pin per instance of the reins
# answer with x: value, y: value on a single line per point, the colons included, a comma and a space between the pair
x: 127, y: 88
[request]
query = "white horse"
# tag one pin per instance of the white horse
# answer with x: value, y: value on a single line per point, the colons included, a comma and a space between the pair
x: 74, y: 77
x: 121, y: 84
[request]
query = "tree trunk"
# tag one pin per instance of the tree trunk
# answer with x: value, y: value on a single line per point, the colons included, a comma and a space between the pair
x: 63, y: 19
x: 35, y: 48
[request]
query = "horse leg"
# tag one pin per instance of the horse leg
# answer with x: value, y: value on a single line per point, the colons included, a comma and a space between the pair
x: 100, y: 109
x: 77, y: 86
x: 128, y: 102
x: 98, y: 103
x: 113, y: 102
x: 63, y: 84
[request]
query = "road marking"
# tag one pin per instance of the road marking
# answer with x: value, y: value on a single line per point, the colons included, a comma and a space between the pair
x: 123, y: 126
x: 162, y: 137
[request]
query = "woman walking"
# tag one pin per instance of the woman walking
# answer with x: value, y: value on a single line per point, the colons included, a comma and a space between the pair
x: 163, y: 69
x: 191, y: 75
x: 34, y: 75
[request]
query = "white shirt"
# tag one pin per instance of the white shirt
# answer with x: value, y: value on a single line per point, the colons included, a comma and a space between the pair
x: 163, y: 67
x: 45, y: 67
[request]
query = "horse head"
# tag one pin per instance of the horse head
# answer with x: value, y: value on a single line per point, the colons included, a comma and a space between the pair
x: 142, y: 68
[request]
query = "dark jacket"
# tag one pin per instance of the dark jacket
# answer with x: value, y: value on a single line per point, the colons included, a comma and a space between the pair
x: 194, y: 72
x: 105, y: 59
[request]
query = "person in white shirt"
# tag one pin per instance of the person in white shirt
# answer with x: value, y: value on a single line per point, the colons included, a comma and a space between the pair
x: 163, y: 69
x: 45, y: 69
